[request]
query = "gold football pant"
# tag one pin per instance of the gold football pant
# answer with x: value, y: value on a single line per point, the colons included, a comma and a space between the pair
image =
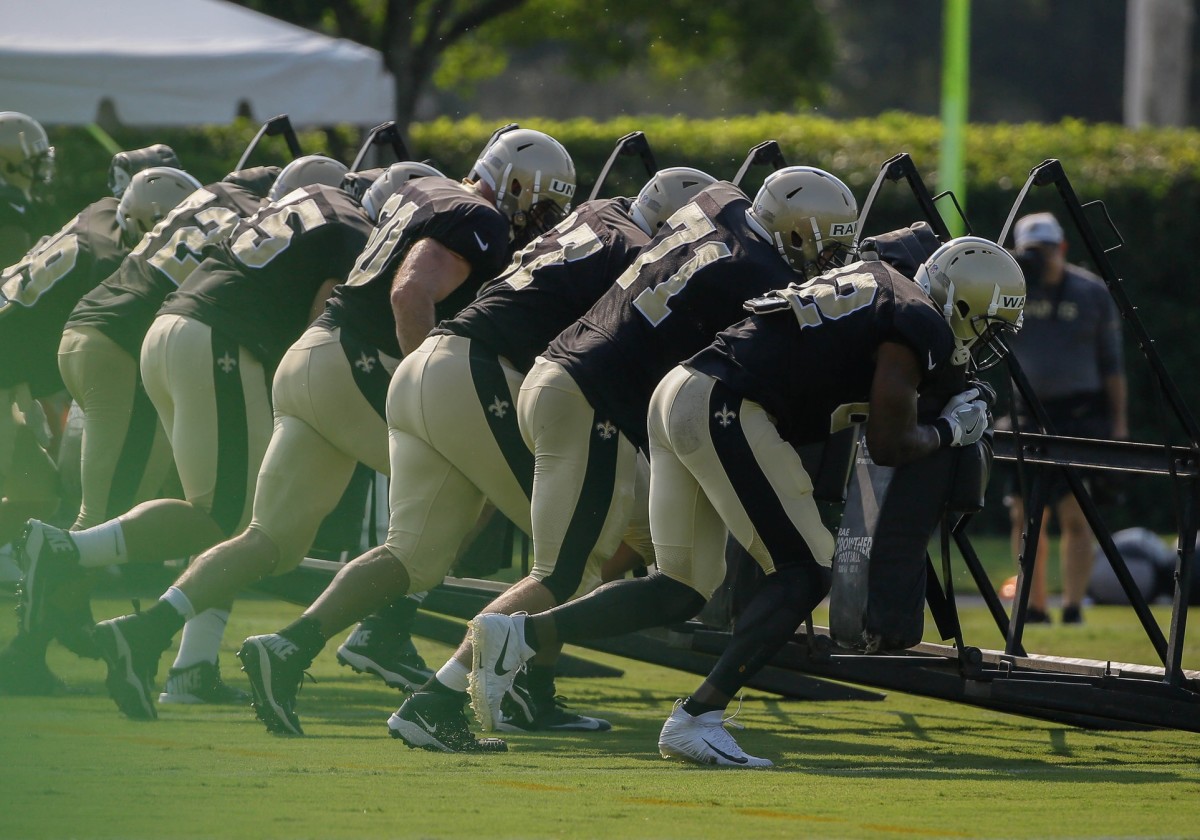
x: 329, y: 394
x: 454, y: 443
x: 125, y: 456
x: 716, y: 462
x: 211, y: 396
x: 584, y: 479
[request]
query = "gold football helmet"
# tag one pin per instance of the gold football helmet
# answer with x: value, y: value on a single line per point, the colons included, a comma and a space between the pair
x: 980, y: 289
x: 810, y: 216
x: 26, y: 156
x: 667, y: 191
x: 150, y: 196
x: 533, y: 179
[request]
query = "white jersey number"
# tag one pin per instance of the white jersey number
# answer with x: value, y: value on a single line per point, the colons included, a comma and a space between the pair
x: 26, y: 281
x: 573, y: 246
x: 689, y: 224
x: 382, y: 244
x: 180, y: 254
x: 272, y: 234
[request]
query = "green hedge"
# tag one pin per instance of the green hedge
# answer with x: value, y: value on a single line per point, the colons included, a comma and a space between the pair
x: 1149, y: 180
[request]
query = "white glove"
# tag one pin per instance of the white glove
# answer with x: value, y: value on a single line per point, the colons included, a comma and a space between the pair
x: 963, y: 420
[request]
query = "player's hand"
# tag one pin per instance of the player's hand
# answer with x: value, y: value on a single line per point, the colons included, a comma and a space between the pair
x: 986, y: 392
x: 964, y: 419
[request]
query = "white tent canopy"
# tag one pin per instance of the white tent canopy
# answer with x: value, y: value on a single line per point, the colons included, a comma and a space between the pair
x: 180, y: 62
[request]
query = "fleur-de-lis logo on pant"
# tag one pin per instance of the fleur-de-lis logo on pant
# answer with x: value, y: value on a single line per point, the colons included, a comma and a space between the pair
x: 227, y: 362
x: 725, y: 416
x: 499, y: 407
x: 606, y: 430
x: 365, y: 363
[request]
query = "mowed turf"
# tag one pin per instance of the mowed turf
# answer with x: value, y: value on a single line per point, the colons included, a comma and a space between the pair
x: 72, y: 766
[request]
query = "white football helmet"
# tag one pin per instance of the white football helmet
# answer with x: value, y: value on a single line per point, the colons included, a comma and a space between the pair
x: 26, y: 156
x: 150, y: 196
x: 127, y: 164
x: 533, y: 179
x: 390, y: 182
x: 665, y: 192
x: 306, y: 171
x: 980, y: 289
x: 810, y: 216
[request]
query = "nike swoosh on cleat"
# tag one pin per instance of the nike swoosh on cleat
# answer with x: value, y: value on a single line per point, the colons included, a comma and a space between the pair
x: 503, y: 650
x: 733, y: 758
x: 431, y: 728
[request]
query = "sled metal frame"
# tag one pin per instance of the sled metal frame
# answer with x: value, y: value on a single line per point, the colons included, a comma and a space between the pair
x: 1087, y: 693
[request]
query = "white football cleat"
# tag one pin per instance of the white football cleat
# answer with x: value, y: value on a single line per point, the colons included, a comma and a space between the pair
x: 704, y: 740
x: 498, y: 651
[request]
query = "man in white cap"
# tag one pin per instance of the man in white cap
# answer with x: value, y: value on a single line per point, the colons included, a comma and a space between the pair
x: 1070, y: 349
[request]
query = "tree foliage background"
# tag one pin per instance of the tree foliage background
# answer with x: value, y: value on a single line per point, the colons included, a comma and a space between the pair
x: 747, y: 50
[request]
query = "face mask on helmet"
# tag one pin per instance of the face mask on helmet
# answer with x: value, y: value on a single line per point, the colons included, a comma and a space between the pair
x: 532, y: 178
x: 388, y: 182
x: 665, y: 193
x: 981, y: 291
x: 150, y: 196
x: 127, y: 164
x: 307, y: 171
x: 26, y: 156
x: 810, y: 216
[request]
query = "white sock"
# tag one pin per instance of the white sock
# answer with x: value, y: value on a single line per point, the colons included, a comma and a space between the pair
x: 454, y: 675
x: 101, y: 545
x: 201, y: 640
x: 182, y: 604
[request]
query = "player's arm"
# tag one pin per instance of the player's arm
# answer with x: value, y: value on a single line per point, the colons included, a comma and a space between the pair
x: 429, y: 273
x: 893, y: 435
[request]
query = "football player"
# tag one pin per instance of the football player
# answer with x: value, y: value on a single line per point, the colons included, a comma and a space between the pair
x: 455, y: 444
x: 125, y: 456
x: 723, y: 427
x: 582, y: 408
x: 435, y: 242
x: 26, y: 170
x: 101, y: 344
x: 206, y: 364
x: 37, y: 295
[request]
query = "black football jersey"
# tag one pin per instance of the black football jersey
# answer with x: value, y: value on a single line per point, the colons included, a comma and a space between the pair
x: 810, y: 364
x: 434, y: 208
x: 20, y: 224
x: 686, y: 284
x: 124, y: 305
x: 38, y: 293
x: 257, y: 288
x: 552, y: 281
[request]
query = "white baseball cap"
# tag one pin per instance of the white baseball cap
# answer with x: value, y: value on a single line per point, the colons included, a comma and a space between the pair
x: 1037, y: 229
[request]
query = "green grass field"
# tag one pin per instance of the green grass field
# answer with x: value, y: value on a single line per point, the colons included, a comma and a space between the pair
x: 907, y: 766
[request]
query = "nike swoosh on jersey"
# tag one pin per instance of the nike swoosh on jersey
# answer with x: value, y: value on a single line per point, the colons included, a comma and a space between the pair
x: 932, y: 363
x: 734, y: 758
x: 18, y: 208
x: 483, y: 246
x: 500, y: 659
